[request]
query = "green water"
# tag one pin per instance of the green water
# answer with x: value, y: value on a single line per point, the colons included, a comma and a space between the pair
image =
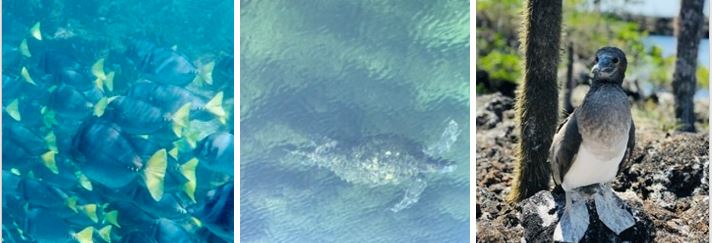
x: 343, y: 70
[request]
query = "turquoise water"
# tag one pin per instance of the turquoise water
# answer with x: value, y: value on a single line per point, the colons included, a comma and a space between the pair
x: 344, y: 71
x: 669, y: 46
x: 117, y: 121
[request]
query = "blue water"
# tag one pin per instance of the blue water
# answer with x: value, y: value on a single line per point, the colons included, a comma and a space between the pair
x: 669, y: 47
x: 340, y: 71
x: 74, y: 169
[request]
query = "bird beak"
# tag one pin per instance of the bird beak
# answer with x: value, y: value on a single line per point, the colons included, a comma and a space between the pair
x: 604, y: 67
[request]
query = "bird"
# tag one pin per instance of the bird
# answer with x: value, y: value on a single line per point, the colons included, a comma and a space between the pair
x: 592, y: 143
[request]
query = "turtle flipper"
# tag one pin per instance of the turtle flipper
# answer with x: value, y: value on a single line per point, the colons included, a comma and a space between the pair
x: 412, y: 194
x: 448, y: 137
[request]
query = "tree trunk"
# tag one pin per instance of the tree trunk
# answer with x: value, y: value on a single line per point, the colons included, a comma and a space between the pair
x: 570, y: 85
x: 689, y: 32
x: 537, y: 100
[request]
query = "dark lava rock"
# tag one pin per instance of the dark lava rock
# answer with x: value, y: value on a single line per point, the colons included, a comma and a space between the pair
x: 506, y: 87
x: 541, y: 212
x: 666, y: 177
x: 493, y: 112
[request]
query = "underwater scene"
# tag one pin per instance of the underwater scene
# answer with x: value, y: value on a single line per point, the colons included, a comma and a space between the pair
x: 117, y: 122
x: 354, y: 121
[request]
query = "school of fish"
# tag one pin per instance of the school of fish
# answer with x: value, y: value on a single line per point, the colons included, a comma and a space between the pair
x: 130, y: 144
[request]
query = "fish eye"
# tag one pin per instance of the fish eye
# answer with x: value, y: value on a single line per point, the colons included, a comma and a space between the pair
x: 615, y: 60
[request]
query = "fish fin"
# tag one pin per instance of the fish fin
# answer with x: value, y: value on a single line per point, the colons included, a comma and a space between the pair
x: 105, y: 233
x: 15, y: 171
x: 84, y: 181
x: 90, y: 211
x: 191, y: 138
x: 173, y: 152
x: 206, y: 72
x: 109, y: 82
x: 196, y: 222
x: 188, y: 170
x: 100, y: 106
x: 181, y: 119
x: 26, y: 75
x: 36, y: 32
x: 85, y: 236
x: 214, y: 106
x: 98, y: 69
x: 72, y: 203
x: 112, y: 217
x: 154, y: 173
x: 49, y: 161
x: 13, y: 109
x: 51, y: 140
x: 48, y: 117
x: 24, y: 49
x: 99, y: 83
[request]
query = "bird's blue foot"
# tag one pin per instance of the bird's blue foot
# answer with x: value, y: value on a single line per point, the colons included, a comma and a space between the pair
x: 611, y: 211
x: 573, y: 222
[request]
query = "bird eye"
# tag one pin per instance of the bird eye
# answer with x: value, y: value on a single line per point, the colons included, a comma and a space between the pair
x: 596, y: 59
x: 615, y: 60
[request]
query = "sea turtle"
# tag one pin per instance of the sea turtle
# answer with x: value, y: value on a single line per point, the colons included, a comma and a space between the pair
x: 385, y: 159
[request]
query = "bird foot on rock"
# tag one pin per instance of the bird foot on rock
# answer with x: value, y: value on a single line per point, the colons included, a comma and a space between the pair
x: 611, y: 211
x: 573, y: 223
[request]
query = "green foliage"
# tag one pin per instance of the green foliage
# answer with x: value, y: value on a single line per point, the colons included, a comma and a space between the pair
x: 703, y: 76
x: 661, y: 67
x: 502, y: 61
x: 655, y: 115
x: 590, y: 30
x: 480, y: 89
x: 497, y: 38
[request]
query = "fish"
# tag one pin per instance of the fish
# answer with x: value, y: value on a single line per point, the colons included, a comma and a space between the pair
x: 216, y: 211
x: 10, y: 182
x: 43, y: 225
x: 64, y: 68
x: 15, y: 87
x: 161, y: 64
x: 170, y: 98
x: 26, y: 110
x: 71, y: 103
x: 107, y: 157
x: 20, y: 145
x: 138, y: 117
x: 216, y: 153
x: 224, y: 76
x: 170, y: 206
x: 160, y: 231
x: 51, y: 197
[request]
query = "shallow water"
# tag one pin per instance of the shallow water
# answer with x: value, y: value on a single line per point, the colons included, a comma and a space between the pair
x: 313, y: 72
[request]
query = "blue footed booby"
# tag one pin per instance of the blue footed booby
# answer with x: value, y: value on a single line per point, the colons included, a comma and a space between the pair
x: 590, y: 148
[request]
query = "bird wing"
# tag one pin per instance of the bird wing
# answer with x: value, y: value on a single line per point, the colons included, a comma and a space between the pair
x: 625, y: 162
x: 564, y: 148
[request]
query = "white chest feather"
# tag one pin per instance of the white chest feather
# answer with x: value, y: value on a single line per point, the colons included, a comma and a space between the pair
x: 595, y: 163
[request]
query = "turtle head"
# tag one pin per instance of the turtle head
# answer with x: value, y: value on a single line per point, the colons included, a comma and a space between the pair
x: 439, y: 166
